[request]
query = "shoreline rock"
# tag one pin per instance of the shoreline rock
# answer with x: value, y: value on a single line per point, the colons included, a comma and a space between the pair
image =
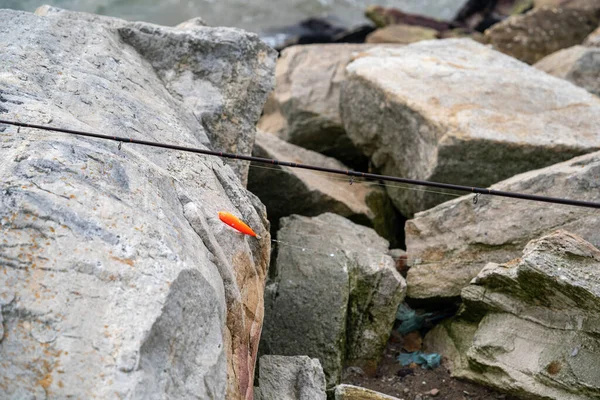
x: 432, y: 110
x: 530, y: 327
x: 333, y: 296
x: 118, y: 279
x: 451, y: 243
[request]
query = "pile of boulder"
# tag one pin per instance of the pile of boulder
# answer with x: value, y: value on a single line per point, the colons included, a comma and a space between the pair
x: 118, y: 279
x: 467, y: 110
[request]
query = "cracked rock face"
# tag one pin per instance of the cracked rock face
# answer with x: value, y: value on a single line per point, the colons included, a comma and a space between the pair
x: 116, y: 277
x: 452, y: 242
x: 530, y: 327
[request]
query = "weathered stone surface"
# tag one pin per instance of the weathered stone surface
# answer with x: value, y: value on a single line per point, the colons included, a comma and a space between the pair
x: 452, y: 242
x: 531, y: 327
x: 578, y: 64
x: 544, y: 30
x: 401, y: 34
x: 433, y: 110
x: 116, y: 277
x: 334, y: 296
x: 286, y: 191
x: 291, y: 378
x: 349, y: 392
x: 304, y: 108
x: 593, y: 40
x: 221, y: 75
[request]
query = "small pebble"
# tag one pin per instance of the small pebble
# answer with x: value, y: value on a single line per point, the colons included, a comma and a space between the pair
x: 402, y: 372
x: 433, y: 392
x: 406, y: 390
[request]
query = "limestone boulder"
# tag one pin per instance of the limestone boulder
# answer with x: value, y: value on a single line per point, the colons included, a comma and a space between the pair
x: 530, y: 327
x: 545, y: 30
x: 349, y: 392
x: 304, y: 107
x: 456, y: 111
x: 578, y: 64
x: 117, y: 279
x: 286, y: 191
x: 221, y: 75
x: 451, y: 243
x: 401, y: 34
x: 334, y: 294
x: 291, y: 378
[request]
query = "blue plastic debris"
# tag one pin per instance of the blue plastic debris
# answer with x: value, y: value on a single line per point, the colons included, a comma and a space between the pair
x: 426, y: 361
x: 409, y: 320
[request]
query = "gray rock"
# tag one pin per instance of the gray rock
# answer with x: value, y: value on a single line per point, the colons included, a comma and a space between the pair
x: 530, y: 327
x: 286, y: 191
x: 401, y: 34
x: 221, y: 76
x: 593, y: 40
x: 434, y: 110
x: 118, y: 279
x: 545, y: 30
x: 452, y: 242
x: 578, y: 64
x: 304, y: 108
x: 349, y: 392
x: 334, y: 296
x: 291, y: 378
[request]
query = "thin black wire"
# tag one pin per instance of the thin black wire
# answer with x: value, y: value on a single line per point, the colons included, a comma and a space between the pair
x: 470, y: 189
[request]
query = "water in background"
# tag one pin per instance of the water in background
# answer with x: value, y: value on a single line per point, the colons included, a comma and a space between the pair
x: 253, y: 15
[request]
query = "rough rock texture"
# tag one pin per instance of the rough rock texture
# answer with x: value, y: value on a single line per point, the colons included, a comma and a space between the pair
x: 531, y: 327
x: 304, y: 108
x: 286, y: 191
x: 291, y: 378
x: 334, y: 296
x: 221, y: 76
x: 116, y: 277
x: 452, y: 242
x: 401, y: 34
x: 433, y: 110
x: 349, y: 392
x: 593, y: 40
x: 578, y: 64
x: 544, y: 30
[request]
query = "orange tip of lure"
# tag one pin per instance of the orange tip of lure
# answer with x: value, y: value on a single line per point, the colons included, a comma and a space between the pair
x: 236, y: 223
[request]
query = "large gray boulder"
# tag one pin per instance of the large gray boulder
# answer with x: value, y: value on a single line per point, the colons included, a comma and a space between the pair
x: 531, y: 327
x: 286, y: 191
x: 291, y: 378
x: 221, y: 76
x: 304, y: 107
x: 457, y: 111
x: 117, y: 277
x: 452, y: 242
x: 334, y: 294
x: 545, y: 30
x: 579, y: 65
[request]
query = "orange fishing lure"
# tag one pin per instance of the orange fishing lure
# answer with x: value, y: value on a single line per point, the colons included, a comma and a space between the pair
x: 236, y: 223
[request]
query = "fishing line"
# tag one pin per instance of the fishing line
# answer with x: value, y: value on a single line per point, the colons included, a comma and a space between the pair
x: 329, y: 175
x: 366, y: 175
